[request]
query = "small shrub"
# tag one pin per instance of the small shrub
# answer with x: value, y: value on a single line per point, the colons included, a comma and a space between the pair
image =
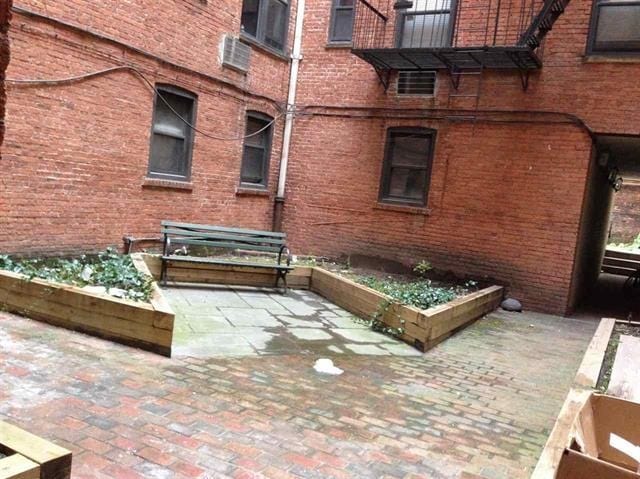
x: 422, y: 268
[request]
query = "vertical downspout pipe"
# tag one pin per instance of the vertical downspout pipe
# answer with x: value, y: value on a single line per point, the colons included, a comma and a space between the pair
x: 296, y: 56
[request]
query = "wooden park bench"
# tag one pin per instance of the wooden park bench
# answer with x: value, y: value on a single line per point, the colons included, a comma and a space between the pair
x: 176, y: 235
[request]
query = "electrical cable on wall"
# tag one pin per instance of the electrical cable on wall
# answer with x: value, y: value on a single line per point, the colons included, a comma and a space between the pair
x: 86, y: 76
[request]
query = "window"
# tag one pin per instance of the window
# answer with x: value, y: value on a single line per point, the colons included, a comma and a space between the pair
x: 416, y: 83
x: 266, y: 21
x: 256, y: 151
x: 171, y: 138
x: 341, y: 27
x: 615, y: 26
x: 407, y: 166
x: 426, y: 24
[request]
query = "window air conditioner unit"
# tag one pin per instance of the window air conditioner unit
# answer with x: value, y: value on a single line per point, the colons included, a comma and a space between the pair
x: 235, y: 54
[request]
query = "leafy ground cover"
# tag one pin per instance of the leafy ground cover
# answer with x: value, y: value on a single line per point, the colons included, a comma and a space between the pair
x: 421, y: 293
x: 110, y: 270
x: 633, y: 246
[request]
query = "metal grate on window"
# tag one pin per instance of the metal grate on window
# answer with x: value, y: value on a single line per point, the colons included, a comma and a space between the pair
x: 416, y: 83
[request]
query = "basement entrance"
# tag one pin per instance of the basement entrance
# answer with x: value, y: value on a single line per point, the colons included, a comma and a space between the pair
x: 608, y: 251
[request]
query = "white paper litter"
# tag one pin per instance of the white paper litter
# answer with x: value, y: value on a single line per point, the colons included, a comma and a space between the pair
x: 325, y: 366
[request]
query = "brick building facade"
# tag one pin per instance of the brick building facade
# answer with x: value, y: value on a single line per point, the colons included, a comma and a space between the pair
x: 5, y: 14
x: 515, y: 190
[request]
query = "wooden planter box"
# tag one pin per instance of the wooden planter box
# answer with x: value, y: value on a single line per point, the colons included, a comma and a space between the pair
x: 423, y: 328
x: 31, y: 457
x: 147, y: 326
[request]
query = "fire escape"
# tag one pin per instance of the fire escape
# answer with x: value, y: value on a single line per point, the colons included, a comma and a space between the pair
x: 459, y: 36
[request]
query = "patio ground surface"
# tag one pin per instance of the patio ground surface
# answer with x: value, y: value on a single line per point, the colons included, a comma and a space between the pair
x: 479, y: 405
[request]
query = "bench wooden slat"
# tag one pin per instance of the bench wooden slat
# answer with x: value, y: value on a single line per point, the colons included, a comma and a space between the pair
x: 224, y: 236
x: 224, y: 229
x: 617, y: 270
x: 226, y: 244
x: 199, y: 259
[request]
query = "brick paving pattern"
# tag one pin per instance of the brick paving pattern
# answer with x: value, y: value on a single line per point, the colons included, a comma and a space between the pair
x: 480, y: 405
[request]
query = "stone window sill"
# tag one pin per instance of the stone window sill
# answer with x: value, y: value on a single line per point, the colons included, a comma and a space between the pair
x: 249, y: 191
x: 168, y: 184
x: 264, y: 48
x: 612, y: 58
x: 338, y: 45
x: 403, y: 208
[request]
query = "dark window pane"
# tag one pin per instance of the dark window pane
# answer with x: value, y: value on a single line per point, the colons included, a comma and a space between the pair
x: 344, y: 3
x: 253, y: 165
x: 407, y: 166
x: 342, y: 25
x: 618, y: 27
x: 405, y: 183
x: 276, y: 24
x: 410, y: 150
x: 250, y: 13
x: 426, y: 30
x: 254, y: 125
x: 167, y: 155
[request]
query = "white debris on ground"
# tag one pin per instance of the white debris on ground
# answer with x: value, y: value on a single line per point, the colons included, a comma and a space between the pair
x: 326, y: 366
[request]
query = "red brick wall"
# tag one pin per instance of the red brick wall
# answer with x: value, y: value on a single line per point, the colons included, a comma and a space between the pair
x: 5, y: 12
x: 505, y: 201
x: 76, y: 156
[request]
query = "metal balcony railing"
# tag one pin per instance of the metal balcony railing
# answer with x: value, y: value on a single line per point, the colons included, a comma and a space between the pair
x: 453, y: 34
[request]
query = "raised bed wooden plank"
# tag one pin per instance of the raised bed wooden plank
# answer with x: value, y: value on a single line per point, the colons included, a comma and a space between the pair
x: 132, y: 323
x: 560, y: 436
x: 186, y: 272
x: 625, y: 374
x: 54, y: 461
x: 589, y: 369
x: 61, y: 314
x: 17, y: 466
x: 574, y: 465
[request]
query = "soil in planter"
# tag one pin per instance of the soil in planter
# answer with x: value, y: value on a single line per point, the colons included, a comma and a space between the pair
x: 610, y: 355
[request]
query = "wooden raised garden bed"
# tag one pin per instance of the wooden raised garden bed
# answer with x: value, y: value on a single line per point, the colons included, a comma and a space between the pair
x: 147, y: 326
x: 422, y: 328
x: 31, y: 457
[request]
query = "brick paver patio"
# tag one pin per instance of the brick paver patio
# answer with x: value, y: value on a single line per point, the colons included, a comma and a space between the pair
x: 478, y: 405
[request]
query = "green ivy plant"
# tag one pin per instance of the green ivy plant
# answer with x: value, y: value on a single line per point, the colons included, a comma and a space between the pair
x: 108, y: 269
x: 422, y: 293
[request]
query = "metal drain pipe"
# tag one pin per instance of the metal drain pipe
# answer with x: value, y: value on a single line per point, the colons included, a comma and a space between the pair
x: 296, y: 56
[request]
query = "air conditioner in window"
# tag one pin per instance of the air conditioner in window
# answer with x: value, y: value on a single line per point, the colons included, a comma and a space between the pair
x: 235, y: 54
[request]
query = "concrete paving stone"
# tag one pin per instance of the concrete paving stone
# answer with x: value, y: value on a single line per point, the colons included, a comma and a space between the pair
x: 362, y: 335
x: 250, y: 317
x: 205, y: 325
x: 310, y: 334
x: 401, y: 349
x: 350, y: 322
x: 369, y: 349
x: 295, y: 307
x: 300, y: 323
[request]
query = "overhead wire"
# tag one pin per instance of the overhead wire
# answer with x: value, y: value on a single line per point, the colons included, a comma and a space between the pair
x: 129, y: 68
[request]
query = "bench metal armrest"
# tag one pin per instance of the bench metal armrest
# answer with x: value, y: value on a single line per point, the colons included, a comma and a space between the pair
x: 284, y: 250
x: 167, y: 245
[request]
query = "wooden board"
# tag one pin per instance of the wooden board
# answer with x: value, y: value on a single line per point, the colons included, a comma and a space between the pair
x: 625, y: 375
x: 134, y: 323
x: 54, y: 461
x: 589, y: 370
x: 574, y: 465
x: 561, y: 435
x: 186, y: 272
x: 17, y: 466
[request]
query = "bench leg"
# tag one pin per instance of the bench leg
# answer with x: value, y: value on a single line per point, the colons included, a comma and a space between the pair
x: 163, y: 274
x: 283, y: 275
